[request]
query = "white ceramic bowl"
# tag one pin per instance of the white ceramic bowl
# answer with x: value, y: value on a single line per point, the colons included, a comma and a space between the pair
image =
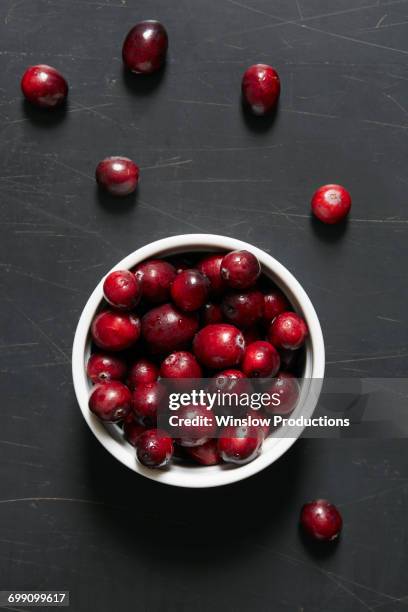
x: 197, y: 476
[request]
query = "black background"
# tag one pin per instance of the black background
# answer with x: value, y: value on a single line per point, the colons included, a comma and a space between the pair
x: 70, y: 516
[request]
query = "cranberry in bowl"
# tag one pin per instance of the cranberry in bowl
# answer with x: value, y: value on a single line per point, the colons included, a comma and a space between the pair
x: 194, y: 247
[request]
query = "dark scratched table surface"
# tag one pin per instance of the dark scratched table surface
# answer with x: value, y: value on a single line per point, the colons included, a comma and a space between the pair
x: 70, y: 516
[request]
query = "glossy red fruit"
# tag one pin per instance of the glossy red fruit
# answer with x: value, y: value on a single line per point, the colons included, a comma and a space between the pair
x: 240, y: 269
x: 331, y: 203
x: 110, y: 401
x: 117, y: 175
x: 240, y: 444
x: 321, y: 520
x: 142, y: 372
x: 219, y: 346
x: 196, y: 425
x: 154, y: 448
x: 211, y: 313
x: 261, y: 88
x: 233, y: 383
x: 286, y: 386
x: 145, y: 47
x: 156, y: 277
x: 288, y: 330
x: 115, y: 331
x: 243, y: 308
x: 102, y: 367
x: 122, y: 289
x: 206, y: 453
x: 189, y: 290
x: 260, y: 360
x: 166, y: 329
x: 210, y: 266
x: 147, y: 400
x: 132, y: 431
x: 181, y: 364
x: 275, y: 303
x: 44, y: 86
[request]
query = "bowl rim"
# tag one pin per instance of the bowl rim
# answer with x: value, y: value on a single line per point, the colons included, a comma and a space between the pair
x: 200, y: 476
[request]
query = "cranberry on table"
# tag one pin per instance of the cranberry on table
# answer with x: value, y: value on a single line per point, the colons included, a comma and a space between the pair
x: 286, y: 386
x: 275, y: 302
x: 211, y: 313
x: 240, y: 269
x: 181, y: 364
x: 132, y: 431
x: 166, y: 329
x: 206, y: 453
x: 243, y: 308
x: 210, y: 266
x: 145, y: 47
x: 288, y: 330
x: 204, y: 427
x: 189, y: 290
x: 321, y: 520
x: 102, y: 367
x: 154, y: 448
x: 147, y: 400
x: 156, y: 277
x: 240, y: 444
x: 331, y: 203
x: 261, y: 88
x: 142, y: 372
x: 115, y: 331
x: 117, y: 175
x: 122, y: 289
x: 219, y: 346
x: 260, y: 360
x: 110, y: 401
x: 44, y: 86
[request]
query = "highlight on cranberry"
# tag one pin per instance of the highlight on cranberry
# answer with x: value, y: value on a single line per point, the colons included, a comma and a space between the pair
x: 44, y: 86
x: 260, y: 88
x: 145, y: 47
x: 321, y: 520
x: 331, y: 203
x: 170, y: 321
x: 117, y: 175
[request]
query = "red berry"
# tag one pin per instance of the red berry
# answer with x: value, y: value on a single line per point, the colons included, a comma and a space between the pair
x: 288, y: 330
x: 261, y: 88
x: 206, y: 453
x: 145, y: 47
x: 189, y: 290
x: 232, y: 383
x: 261, y: 359
x: 196, y: 425
x: 44, y: 86
x: 321, y: 520
x: 165, y: 329
x: 240, y: 444
x: 101, y: 368
x: 331, y: 203
x: 117, y: 175
x: 210, y: 266
x: 147, y: 400
x: 110, y: 401
x: 142, y: 372
x: 287, y: 387
x: 156, y: 277
x: 154, y: 448
x: 211, y: 313
x: 122, y: 289
x: 275, y: 302
x: 240, y: 269
x: 115, y: 331
x: 132, y: 431
x: 181, y: 364
x: 219, y: 346
x: 244, y: 308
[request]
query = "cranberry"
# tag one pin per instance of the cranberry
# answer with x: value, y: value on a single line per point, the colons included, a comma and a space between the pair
x: 240, y: 269
x: 261, y: 359
x: 240, y: 444
x: 181, y: 364
x: 212, y: 313
x: 154, y: 448
x: 261, y: 88
x: 102, y: 367
x: 275, y: 303
x: 145, y: 47
x: 287, y: 387
x: 321, y: 520
x: 232, y: 383
x: 110, y: 401
x: 132, y: 431
x: 196, y: 425
x: 115, y: 331
x: 244, y: 308
x: 210, y: 266
x: 117, y: 175
x: 288, y: 330
x: 189, y: 290
x: 142, y: 372
x: 122, y: 289
x: 165, y: 329
x: 331, y: 203
x: 156, y: 277
x: 147, y: 401
x: 219, y: 346
x: 206, y: 453
x: 44, y: 86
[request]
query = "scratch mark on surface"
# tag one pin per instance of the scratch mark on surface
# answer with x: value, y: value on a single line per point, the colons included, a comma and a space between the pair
x: 169, y: 165
x: 388, y: 319
x: 170, y: 215
x: 380, y: 21
x: 373, y: 358
x: 200, y: 102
